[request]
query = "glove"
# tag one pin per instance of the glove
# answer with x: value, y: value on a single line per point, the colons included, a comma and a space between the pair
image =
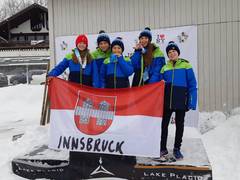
x: 113, y: 58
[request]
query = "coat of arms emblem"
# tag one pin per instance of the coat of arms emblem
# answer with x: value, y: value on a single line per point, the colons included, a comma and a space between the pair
x: 93, y: 113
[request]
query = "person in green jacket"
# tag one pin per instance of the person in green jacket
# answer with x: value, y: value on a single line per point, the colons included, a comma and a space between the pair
x: 103, y: 50
x: 147, y: 60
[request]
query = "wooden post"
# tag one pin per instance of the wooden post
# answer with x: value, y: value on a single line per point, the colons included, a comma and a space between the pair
x: 45, y: 116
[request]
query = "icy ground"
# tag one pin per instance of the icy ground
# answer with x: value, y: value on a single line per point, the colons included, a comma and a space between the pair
x: 20, y: 112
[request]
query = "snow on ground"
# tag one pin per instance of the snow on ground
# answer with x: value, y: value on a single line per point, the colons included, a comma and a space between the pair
x: 20, y: 111
x: 223, y: 148
x: 38, y: 79
x: 208, y: 121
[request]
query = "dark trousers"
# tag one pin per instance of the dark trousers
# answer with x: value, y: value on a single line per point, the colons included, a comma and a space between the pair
x: 179, y: 121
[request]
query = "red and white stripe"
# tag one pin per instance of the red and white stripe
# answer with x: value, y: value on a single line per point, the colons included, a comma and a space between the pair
x: 137, y: 119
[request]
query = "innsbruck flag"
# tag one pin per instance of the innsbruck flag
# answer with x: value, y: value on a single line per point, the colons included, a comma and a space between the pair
x: 123, y: 121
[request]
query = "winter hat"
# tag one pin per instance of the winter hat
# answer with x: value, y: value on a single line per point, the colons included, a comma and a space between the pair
x: 81, y: 38
x: 147, y: 33
x: 172, y: 46
x: 103, y: 37
x: 118, y: 41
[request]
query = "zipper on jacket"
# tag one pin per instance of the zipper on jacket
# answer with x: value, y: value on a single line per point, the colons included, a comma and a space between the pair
x: 81, y: 69
x: 172, y: 87
x: 141, y: 75
x: 115, y: 74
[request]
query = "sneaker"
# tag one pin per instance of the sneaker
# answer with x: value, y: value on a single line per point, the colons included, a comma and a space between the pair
x: 177, y: 154
x: 163, y: 156
x: 163, y: 153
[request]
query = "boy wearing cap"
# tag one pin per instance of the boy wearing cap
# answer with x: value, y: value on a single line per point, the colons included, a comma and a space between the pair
x: 147, y: 60
x: 82, y: 68
x: 116, y: 69
x: 180, y: 96
x: 114, y: 74
x: 103, y: 50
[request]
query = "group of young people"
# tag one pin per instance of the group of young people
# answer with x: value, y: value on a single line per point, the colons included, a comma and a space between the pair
x: 106, y: 67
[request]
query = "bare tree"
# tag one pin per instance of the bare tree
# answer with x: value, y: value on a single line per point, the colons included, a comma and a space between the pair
x: 11, y: 7
x: 41, y: 2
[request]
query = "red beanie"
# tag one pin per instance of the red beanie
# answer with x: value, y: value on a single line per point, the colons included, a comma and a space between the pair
x: 81, y: 38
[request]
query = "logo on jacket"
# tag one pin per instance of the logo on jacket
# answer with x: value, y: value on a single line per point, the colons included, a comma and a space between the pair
x: 94, y: 114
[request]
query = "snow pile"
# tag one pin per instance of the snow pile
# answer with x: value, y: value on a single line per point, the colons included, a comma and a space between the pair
x: 38, y: 79
x: 235, y: 111
x: 20, y: 111
x: 223, y: 147
x: 20, y: 106
x: 209, y: 120
x: 34, y: 136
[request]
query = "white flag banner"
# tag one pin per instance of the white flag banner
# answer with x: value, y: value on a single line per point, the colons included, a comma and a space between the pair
x: 104, y: 121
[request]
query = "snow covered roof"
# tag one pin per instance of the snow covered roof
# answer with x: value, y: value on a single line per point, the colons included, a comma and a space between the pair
x: 22, y: 16
x: 24, y: 53
x: 20, y: 57
x: 38, y: 17
x: 23, y: 61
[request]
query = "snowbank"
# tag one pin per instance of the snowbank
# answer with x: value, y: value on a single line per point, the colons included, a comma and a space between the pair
x: 20, y: 111
x: 38, y: 79
x: 209, y: 120
x: 223, y: 146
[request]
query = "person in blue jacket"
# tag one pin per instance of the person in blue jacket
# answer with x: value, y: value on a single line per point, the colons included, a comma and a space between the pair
x: 180, y: 96
x: 116, y: 69
x: 103, y: 50
x: 147, y: 60
x: 82, y: 68
x: 114, y: 74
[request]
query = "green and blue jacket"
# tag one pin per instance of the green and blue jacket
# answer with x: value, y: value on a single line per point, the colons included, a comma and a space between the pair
x: 180, y: 85
x: 153, y: 70
x: 86, y: 76
x: 115, y: 73
x: 99, y: 56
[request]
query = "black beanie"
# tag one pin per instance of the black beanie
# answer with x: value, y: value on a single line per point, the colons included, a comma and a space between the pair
x: 147, y: 33
x: 103, y: 37
x: 172, y: 46
x: 118, y: 41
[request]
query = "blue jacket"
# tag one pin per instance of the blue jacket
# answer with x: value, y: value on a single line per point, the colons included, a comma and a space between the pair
x: 87, y: 76
x: 180, y: 85
x: 153, y: 70
x: 114, y: 74
x: 98, y: 55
